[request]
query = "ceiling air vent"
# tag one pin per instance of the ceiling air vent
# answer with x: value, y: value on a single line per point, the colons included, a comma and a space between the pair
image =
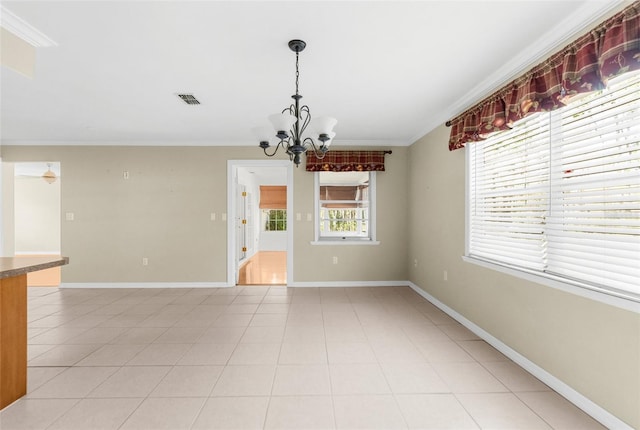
x: 189, y: 99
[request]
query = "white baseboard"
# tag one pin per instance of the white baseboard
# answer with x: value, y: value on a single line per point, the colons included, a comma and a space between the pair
x: 144, y: 285
x: 29, y: 253
x: 350, y: 284
x: 225, y: 285
x: 598, y: 413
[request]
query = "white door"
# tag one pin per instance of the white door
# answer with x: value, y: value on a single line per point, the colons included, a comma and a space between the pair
x: 241, y: 223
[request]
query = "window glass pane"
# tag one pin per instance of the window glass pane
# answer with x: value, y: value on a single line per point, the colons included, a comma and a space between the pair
x: 343, y: 206
x: 274, y: 219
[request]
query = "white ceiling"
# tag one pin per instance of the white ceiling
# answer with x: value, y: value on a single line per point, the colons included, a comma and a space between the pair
x: 389, y: 71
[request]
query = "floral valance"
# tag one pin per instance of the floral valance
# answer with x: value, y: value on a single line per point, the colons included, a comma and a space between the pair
x: 347, y: 161
x: 609, y: 50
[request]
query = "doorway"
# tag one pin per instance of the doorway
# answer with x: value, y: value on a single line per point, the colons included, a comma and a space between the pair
x: 36, y: 206
x: 260, y: 232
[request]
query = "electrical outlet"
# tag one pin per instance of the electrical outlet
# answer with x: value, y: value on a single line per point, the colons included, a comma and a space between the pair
x: 69, y: 216
x: 125, y: 174
x: 213, y: 216
x: 335, y: 260
x: 145, y: 261
x: 298, y: 216
x: 224, y: 217
x: 415, y: 262
x: 309, y: 217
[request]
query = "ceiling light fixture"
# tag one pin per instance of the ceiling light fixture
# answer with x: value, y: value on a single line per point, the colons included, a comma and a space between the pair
x: 49, y: 176
x: 291, y: 124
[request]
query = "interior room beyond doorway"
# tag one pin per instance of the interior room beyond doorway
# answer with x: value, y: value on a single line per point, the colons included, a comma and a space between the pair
x: 262, y: 237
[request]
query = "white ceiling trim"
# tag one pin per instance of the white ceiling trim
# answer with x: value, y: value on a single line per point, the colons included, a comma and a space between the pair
x: 567, y: 30
x: 336, y: 144
x: 24, y: 30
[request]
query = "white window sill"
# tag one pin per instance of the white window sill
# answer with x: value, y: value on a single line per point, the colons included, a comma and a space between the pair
x: 333, y: 242
x: 627, y: 301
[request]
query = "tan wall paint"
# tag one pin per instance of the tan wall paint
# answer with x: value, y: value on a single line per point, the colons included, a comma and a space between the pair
x: 17, y: 54
x: 7, y: 217
x: 162, y: 212
x: 592, y: 347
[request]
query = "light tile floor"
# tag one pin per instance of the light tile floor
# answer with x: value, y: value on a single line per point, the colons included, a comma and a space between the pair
x: 268, y: 357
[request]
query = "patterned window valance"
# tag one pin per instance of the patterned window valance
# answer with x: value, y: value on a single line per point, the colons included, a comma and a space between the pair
x: 347, y: 161
x: 609, y: 50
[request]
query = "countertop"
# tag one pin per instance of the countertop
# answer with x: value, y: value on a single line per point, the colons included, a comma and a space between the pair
x: 10, y: 266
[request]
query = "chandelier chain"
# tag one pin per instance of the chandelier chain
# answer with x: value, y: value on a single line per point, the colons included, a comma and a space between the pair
x: 297, y: 71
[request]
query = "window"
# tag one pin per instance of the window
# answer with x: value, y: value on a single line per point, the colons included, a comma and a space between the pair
x: 559, y: 194
x: 345, y: 206
x: 274, y: 219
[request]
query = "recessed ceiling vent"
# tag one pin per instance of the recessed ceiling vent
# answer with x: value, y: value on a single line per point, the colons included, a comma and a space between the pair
x: 189, y: 99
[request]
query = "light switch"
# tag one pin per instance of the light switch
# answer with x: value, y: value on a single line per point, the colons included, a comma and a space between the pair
x: 309, y: 217
x: 224, y: 217
x: 69, y: 216
x: 298, y: 216
x: 213, y: 216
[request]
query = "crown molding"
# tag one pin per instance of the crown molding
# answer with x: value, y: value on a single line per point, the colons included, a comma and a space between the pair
x: 16, y: 25
x: 233, y: 143
x: 564, y: 32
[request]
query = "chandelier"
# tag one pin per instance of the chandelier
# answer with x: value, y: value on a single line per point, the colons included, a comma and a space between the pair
x: 49, y: 176
x: 292, y: 122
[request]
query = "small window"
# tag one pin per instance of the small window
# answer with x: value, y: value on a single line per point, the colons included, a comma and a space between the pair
x: 345, y: 205
x: 274, y: 219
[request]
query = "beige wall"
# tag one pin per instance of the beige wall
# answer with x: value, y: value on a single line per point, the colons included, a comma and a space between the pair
x: 37, y: 215
x: 7, y: 217
x: 17, y: 54
x: 162, y: 212
x: 592, y: 347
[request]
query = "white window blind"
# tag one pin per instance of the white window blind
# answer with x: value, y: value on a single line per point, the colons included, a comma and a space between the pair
x: 594, y: 223
x: 560, y: 193
x: 509, y: 195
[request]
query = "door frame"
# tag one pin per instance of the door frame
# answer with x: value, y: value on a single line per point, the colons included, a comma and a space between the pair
x: 232, y: 174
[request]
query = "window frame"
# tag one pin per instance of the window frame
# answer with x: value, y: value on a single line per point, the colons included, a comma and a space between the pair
x: 346, y: 240
x: 628, y: 300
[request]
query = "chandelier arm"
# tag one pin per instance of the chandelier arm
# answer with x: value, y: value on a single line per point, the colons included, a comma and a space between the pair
x: 276, y: 148
x: 290, y: 109
x: 307, y: 119
x: 319, y: 151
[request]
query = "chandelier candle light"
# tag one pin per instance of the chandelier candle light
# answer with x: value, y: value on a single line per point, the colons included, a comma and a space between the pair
x: 291, y: 124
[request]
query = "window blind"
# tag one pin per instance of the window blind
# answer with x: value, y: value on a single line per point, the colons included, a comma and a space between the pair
x: 273, y: 196
x: 509, y: 194
x: 593, y: 227
x: 560, y: 192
